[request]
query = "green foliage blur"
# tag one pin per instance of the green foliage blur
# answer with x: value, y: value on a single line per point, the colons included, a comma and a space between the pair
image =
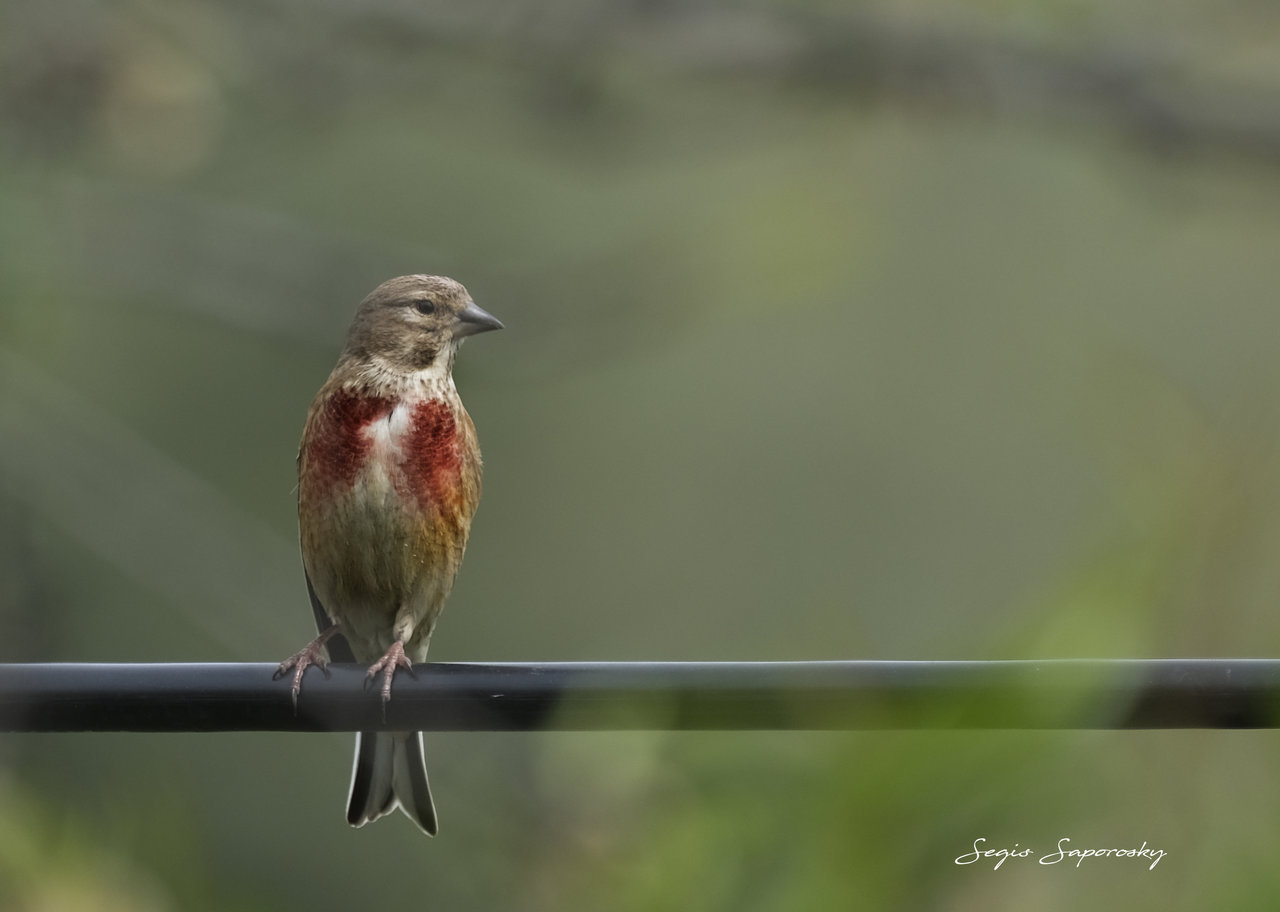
x: 811, y: 353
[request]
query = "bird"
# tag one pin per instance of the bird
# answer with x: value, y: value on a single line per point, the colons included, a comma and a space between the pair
x: 389, y: 478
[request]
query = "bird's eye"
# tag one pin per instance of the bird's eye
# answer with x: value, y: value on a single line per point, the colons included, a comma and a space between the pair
x: 425, y: 306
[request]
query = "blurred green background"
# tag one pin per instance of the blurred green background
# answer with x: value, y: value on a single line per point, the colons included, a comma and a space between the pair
x: 935, y: 331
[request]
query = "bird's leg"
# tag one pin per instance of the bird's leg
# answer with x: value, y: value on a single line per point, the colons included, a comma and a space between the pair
x: 386, y: 666
x: 304, y: 658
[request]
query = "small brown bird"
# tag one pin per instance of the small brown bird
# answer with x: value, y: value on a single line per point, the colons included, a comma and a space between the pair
x: 388, y: 480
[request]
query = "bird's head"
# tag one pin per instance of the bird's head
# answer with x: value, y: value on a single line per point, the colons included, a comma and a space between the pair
x: 415, y: 323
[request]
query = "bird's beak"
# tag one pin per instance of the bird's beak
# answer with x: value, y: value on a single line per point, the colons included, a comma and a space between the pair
x: 474, y: 320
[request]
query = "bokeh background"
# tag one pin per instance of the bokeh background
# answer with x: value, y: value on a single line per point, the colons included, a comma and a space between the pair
x: 931, y: 331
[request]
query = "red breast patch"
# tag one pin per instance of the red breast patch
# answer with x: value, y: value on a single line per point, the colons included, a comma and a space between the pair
x: 432, y: 457
x: 338, y: 447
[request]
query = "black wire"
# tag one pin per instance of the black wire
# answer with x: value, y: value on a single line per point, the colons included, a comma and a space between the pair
x: 1056, y: 694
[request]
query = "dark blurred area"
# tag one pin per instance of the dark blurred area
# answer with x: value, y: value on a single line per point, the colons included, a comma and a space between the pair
x: 924, y: 332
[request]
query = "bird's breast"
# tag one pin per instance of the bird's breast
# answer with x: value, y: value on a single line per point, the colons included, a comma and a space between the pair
x: 387, y: 487
x: 414, y: 449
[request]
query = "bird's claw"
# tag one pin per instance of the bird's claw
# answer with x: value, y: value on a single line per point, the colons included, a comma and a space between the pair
x: 386, y: 667
x: 309, y: 655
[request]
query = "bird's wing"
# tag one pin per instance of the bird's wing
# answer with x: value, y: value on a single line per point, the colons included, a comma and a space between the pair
x: 339, y: 648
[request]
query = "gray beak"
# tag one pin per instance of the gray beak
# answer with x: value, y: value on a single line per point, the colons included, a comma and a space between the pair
x: 474, y: 320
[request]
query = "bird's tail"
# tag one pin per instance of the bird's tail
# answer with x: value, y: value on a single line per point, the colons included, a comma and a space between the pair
x: 390, y: 772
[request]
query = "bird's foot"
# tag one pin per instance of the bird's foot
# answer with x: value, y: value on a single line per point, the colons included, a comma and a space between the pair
x: 386, y: 667
x: 311, y: 654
